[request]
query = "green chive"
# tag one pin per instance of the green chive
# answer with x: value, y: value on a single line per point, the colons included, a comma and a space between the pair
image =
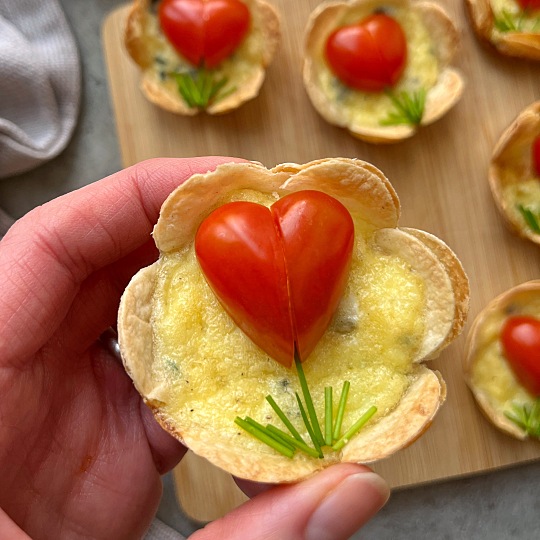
x: 355, y: 428
x: 409, y: 108
x: 292, y: 441
x: 284, y: 419
x: 264, y: 437
x: 260, y: 427
x: 529, y: 218
x: 308, y: 426
x: 341, y: 410
x: 328, y: 415
x: 309, y: 401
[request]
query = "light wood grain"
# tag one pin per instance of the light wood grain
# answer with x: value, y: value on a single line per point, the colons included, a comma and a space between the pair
x: 441, y: 178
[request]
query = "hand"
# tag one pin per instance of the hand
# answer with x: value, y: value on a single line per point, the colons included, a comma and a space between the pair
x: 80, y: 454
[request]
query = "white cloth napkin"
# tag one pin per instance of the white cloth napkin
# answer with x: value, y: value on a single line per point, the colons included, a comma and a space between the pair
x: 40, y: 83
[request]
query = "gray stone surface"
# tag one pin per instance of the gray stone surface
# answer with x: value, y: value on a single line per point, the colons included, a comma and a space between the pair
x: 497, y: 506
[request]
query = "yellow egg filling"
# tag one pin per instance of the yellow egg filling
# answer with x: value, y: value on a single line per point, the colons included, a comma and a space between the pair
x: 421, y: 71
x: 214, y: 373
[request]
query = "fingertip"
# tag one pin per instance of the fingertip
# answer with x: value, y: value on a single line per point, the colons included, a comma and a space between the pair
x: 331, y: 505
x: 346, y: 508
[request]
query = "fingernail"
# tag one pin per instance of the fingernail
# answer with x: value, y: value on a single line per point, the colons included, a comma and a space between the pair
x: 347, y: 507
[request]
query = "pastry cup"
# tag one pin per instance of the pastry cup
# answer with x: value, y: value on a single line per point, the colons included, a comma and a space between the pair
x: 487, y: 372
x: 206, y: 425
x: 511, y: 173
x: 145, y: 43
x: 522, y: 44
x: 445, y: 87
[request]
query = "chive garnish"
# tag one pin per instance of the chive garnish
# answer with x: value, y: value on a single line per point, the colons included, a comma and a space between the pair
x: 526, y: 417
x: 408, y: 108
x: 328, y: 416
x: 308, y: 425
x: 530, y: 218
x: 284, y: 419
x: 292, y: 441
x: 201, y: 88
x: 354, y: 428
x: 260, y: 427
x: 307, y: 398
x: 341, y: 410
x: 286, y: 444
x: 264, y: 437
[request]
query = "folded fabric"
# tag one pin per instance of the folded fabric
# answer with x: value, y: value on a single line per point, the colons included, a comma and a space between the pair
x: 39, y: 83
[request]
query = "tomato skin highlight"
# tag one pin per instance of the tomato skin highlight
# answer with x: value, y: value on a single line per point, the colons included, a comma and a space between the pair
x: 279, y: 272
x: 370, y: 55
x: 520, y: 339
x: 536, y: 156
x: 204, y: 32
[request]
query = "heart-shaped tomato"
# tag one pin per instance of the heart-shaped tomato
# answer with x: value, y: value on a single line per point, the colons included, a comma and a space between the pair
x: 280, y: 271
x: 205, y: 32
x: 536, y: 156
x: 520, y: 339
x: 369, y: 55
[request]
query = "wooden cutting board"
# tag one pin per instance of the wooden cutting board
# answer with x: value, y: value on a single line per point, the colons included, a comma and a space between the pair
x: 440, y: 176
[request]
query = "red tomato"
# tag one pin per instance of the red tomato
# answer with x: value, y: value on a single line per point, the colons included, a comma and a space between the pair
x: 205, y: 32
x: 369, y: 55
x: 520, y: 339
x: 536, y: 156
x: 279, y: 272
x: 531, y: 5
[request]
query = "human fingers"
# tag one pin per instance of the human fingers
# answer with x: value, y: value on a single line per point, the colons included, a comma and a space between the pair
x: 331, y: 505
x: 95, y: 306
x: 49, y: 252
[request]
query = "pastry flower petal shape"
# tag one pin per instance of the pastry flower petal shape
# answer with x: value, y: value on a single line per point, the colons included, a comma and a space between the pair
x: 406, y: 298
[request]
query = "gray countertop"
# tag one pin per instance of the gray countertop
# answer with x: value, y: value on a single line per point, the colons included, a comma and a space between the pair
x: 496, y: 506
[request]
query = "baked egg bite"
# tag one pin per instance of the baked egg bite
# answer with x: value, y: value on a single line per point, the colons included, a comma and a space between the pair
x: 405, y: 299
x: 503, y: 361
x: 512, y: 27
x: 405, y: 47
x: 514, y: 174
x: 202, y: 56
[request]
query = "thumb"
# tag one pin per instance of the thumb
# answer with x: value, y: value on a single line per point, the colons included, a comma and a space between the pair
x: 331, y: 505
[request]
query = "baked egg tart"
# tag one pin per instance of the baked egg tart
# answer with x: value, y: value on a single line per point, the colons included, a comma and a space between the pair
x: 202, y: 55
x: 184, y: 335
x: 511, y: 26
x: 503, y: 361
x: 380, y: 68
x: 514, y: 174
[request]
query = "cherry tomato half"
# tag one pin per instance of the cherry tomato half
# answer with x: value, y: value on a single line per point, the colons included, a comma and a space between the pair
x: 536, y: 156
x: 520, y: 338
x: 369, y: 55
x: 531, y: 5
x: 279, y: 272
x: 205, y: 32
